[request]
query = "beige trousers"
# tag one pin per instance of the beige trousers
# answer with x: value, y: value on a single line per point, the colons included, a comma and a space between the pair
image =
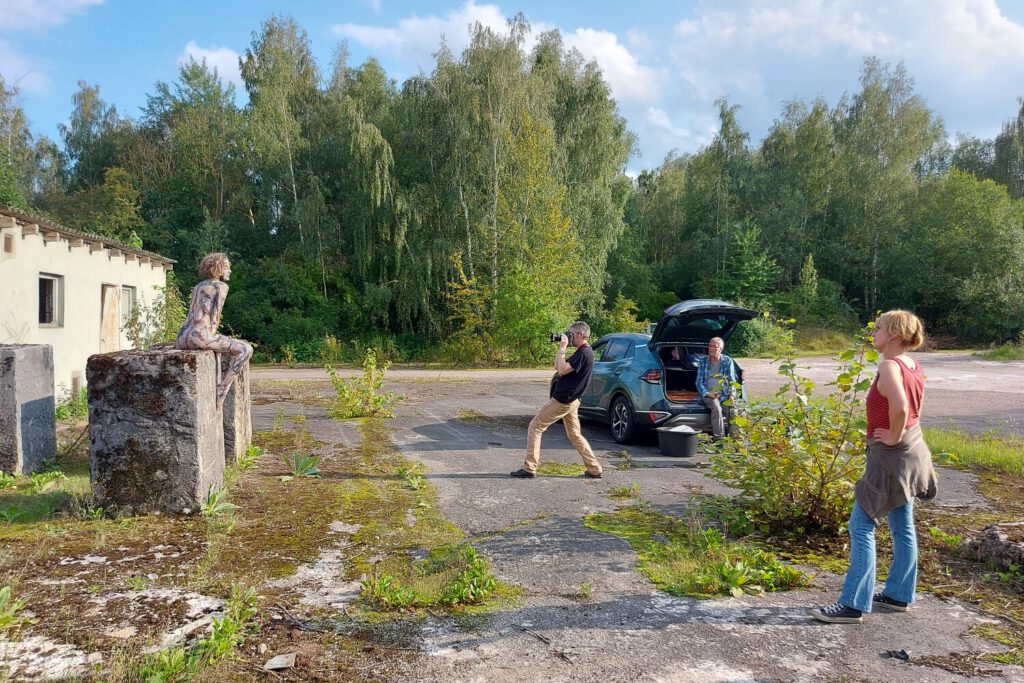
x: 721, y: 417
x: 549, y: 415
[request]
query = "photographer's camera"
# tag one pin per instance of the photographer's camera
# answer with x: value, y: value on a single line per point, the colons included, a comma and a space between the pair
x: 557, y: 336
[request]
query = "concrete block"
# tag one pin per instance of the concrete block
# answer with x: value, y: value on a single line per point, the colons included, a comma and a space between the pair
x: 28, y: 426
x: 157, y: 436
x: 237, y: 413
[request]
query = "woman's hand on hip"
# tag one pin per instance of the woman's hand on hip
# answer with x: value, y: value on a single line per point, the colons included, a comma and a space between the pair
x: 886, y: 436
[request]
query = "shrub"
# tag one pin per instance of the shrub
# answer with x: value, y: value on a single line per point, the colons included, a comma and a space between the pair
x: 74, y: 407
x: 798, y: 456
x: 760, y: 337
x: 362, y: 396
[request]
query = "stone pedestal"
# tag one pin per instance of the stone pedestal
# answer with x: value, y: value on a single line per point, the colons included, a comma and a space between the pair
x: 28, y: 427
x: 157, y: 436
x: 237, y: 413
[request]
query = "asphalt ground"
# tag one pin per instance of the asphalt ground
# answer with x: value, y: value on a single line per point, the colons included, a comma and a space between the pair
x: 469, y: 429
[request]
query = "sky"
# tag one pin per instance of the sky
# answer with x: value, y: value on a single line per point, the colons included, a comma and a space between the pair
x: 666, y: 61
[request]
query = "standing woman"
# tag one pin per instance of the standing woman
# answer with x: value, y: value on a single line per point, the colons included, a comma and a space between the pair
x: 899, y: 469
x: 199, y: 333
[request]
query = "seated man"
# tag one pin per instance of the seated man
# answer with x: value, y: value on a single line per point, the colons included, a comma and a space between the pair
x: 715, y: 375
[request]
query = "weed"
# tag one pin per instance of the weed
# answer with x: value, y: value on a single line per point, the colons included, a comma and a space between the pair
x: 46, y: 481
x: 451, y: 575
x: 586, y: 589
x: 414, y: 481
x: 951, y: 540
x: 217, y: 503
x: 74, y: 407
x: 7, y: 481
x: 731, y: 514
x: 248, y: 459
x: 301, y: 465
x: 388, y: 593
x: 682, y: 557
x: 279, y: 419
x: 625, y: 460
x: 362, y: 396
x: 624, y: 492
x: 560, y: 469
x: 9, y: 513
x: 10, y: 620
x: 138, y: 583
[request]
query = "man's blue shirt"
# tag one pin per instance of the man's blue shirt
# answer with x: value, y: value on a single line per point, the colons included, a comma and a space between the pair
x: 719, y: 381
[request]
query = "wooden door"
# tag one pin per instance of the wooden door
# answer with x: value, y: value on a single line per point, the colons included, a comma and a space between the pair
x: 110, y: 319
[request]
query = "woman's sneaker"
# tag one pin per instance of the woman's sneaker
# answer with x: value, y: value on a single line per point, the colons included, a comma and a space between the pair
x: 883, y: 601
x: 838, y: 613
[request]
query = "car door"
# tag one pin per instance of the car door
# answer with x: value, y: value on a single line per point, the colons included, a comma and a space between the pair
x: 607, y: 371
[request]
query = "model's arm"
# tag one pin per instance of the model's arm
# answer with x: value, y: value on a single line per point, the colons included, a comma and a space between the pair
x: 890, y: 385
x: 562, y: 366
x: 222, y: 294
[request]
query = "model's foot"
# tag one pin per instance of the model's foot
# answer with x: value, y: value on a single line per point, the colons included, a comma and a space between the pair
x: 589, y: 475
x: 883, y: 601
x: 523, y: 474
x: 222, y: 392
x: 838, y: 613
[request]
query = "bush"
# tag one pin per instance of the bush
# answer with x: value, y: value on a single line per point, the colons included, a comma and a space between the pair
x: 760, y: 337
x: 74, y: 407
x: 362, y: 396
x: 797, y: 457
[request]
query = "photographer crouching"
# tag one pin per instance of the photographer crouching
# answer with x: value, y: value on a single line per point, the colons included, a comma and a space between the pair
x: 573, y: 378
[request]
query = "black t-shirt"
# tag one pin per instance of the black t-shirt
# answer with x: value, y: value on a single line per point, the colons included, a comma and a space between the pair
x: 570, y: 387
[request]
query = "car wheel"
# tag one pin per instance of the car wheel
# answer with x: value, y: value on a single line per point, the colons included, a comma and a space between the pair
x: 621, y: 420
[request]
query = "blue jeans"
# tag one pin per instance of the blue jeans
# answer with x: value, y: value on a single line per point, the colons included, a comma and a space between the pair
x: 859, y: 587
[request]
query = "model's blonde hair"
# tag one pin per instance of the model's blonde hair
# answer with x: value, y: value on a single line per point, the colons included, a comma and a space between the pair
x: 214, y: 265
x: 904, y: 325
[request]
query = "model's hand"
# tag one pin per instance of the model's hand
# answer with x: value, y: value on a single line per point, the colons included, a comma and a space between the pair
x: 713, y: 394
x: 885, y: 436
x: 564, y: 343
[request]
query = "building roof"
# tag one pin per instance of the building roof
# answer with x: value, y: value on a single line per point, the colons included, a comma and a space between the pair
x: 28, y: 218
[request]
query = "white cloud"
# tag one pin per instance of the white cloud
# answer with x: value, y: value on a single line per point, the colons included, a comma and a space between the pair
x: 41, y: 14
x: 374, y: 5
x: 966, y: 56
x: 629, y: 80
x: 223, y: 60
x: 21, y: 72
x: 416, y: 39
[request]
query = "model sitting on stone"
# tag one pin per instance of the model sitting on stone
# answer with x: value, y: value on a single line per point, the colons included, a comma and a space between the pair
x: 199, y: 333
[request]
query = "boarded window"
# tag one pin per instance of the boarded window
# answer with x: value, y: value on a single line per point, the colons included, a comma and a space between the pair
x: 50, y: 292
x: 8, y: 244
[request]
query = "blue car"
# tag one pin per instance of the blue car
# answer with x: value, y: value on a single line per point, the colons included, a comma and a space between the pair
x: 642, y: 381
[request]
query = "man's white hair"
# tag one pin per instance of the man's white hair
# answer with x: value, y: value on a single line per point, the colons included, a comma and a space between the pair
x: 580, y: 328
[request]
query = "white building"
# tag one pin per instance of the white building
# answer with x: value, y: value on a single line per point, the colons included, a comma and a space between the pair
x: 72, y: 290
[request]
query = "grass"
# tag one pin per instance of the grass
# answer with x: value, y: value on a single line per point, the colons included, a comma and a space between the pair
x: 1006, y: 352
x: 816, y: 341
x: 560, y: 469
x: 987, y: 452
x: 682, y: 557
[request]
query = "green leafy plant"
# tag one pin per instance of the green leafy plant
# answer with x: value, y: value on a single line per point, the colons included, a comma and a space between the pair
x: 10, y: 619
x: 7, y: 481
x: 473, y: 584
x: 217, y: 503
x: 46, y: 481
x: 248, y: 459
x: 798, y: 456
x: 362, y: 396
x: 624, y: 492
x: 74, y: 407
x: 301, y: 465
x: 952, y: 540
x: 388, y: 592
x: 414, y: 481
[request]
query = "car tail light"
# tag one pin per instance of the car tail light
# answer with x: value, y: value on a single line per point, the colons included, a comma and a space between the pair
x: 652, y: 376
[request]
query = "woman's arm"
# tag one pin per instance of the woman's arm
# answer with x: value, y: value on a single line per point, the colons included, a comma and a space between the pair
x: 890, y: 385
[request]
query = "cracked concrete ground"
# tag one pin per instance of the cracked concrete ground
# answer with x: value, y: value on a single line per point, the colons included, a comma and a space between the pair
x: 470, y: 434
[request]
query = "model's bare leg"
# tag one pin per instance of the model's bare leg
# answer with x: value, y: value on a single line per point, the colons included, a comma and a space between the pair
x: 240, y: 352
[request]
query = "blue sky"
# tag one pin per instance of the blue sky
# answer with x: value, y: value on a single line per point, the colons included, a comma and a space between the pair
x: 666, y: 61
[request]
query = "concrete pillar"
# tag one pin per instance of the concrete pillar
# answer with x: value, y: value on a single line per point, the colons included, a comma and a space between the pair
x: 237, y: 413
x: 157, y: 436
x: 28, y: 426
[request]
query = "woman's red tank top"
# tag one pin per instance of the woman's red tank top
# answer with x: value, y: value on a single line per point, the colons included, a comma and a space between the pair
x: 878, y: 405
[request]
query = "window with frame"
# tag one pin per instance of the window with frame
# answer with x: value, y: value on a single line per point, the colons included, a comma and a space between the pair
x: 127, y: 304
x: 616, y: 350
x: 51, y: 293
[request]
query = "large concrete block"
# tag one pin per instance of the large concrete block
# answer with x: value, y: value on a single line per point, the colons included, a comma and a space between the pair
x: 28, y: 427
x: 237, y: 413
x: 157, y: 436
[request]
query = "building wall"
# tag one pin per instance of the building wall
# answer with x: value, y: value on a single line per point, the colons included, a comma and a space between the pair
x: 84, y: 272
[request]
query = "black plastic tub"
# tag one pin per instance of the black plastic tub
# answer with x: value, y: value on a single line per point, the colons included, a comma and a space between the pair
x: 677, y: 442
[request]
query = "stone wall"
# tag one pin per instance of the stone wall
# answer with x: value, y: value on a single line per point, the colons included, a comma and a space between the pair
x: 237, y: 414
x: 28, y: 427
x: 157, y: 436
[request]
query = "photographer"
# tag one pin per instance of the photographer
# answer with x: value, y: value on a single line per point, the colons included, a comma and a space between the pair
x: 573, y: 378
